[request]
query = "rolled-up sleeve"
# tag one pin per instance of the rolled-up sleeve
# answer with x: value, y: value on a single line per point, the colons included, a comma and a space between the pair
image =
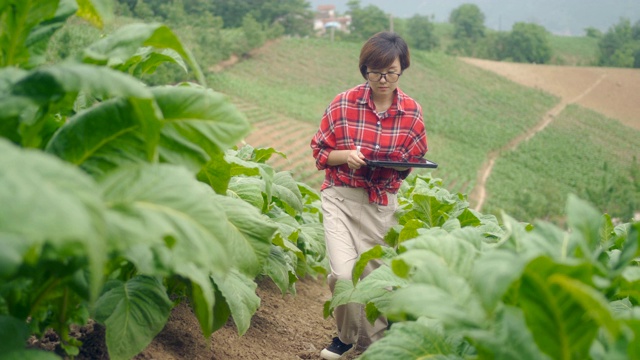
x: 324, y: 141
x: 418, y: 145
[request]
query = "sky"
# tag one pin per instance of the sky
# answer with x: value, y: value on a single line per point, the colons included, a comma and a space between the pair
x: 562, y: 17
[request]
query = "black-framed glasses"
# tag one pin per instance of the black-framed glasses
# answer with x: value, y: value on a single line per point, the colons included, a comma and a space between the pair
x: 377, y: 76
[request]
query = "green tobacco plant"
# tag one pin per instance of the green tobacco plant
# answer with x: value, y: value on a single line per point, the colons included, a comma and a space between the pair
x: 53, y: 257
x: 121, y: 200
x: 509, y: 290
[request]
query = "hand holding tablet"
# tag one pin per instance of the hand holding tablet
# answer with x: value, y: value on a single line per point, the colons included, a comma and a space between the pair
x: 408, y: 162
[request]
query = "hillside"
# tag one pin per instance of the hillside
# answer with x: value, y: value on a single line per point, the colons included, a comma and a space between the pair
x: 286, y: 86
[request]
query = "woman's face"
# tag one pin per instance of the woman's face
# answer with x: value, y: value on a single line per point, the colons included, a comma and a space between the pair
x: 380, y: 85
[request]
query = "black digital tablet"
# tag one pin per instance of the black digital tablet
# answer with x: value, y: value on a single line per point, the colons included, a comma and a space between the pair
x: 411, y: 162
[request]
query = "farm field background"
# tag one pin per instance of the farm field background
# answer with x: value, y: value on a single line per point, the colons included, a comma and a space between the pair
x: 509, y: 147
x: 590, y: 139
x: 285, y: 86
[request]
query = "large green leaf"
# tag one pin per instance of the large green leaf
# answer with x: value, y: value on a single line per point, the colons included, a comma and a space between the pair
x: 556, y: 303
x: 199, y: 117
x: 373, y: 288
x: 167, y: 223
x: 311, y: 239
x: 437, y: 290
x: 70, y: 212
x: 118, y: 48
x: 202, y: 296
x: 56, y: 88
x: 147, y: 60
x: 216, y: 173
x: 508, y: 338
x: 14, y: 248
x: 286, y: 189
x: 40, y: 36
x: 586, y: 222
x: 13, y: 332
x: 239, y: 292
x: 493, y: 273
x: 629, y: 240
x: 375, y: 253
x: 344, y: 293
x: 95, y: 11
x: 457, y: 253
x: 54, y: 83
x: 279, y: 268
x: 249, y: 189
x: 432, y: 210
x: 112, y: 134
x: 164, y: 206
x: 18, y: 18
x: 422, y: 339
x: 249, y: 234
x: 133, y: 312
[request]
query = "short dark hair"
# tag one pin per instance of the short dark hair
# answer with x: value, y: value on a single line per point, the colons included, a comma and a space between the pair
x: 381, y: 50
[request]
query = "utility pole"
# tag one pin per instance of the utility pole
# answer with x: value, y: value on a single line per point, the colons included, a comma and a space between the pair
x: 391, y: 22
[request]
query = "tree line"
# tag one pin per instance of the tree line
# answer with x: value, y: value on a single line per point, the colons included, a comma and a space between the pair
x: 526, y: 42
x: 255, y: 21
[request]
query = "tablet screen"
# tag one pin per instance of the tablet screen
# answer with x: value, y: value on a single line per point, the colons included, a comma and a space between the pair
x: 407, y: 162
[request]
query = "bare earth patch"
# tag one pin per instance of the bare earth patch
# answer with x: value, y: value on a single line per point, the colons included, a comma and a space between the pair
x: 617, y: 95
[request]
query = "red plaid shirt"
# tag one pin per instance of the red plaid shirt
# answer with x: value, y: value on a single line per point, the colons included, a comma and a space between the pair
x: 350, y: 121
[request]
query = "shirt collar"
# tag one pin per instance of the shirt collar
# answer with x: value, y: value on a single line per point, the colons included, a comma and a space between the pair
x: 366, y: 97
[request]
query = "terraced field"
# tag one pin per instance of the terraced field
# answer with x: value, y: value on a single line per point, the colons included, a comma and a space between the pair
x: 287, y: 135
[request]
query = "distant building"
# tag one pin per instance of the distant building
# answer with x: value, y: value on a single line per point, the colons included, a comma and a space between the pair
x: 326, y: 19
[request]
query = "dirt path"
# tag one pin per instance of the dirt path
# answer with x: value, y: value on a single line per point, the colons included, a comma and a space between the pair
x: 573, y: 86
x: 479, y: 193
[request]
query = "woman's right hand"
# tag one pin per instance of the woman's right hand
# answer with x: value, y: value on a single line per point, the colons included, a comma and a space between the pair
x: 355, y: 159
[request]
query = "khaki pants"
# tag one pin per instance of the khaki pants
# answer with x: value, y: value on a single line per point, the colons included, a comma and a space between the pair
x: 352, y: 226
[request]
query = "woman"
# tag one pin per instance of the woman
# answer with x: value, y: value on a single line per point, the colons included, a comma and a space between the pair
x: 373, y: 120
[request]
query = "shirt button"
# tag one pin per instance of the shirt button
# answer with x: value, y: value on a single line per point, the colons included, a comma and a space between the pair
x: 377, y: 147
x: 378, y: 123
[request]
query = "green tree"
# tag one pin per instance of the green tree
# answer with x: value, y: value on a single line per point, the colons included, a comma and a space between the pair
x: 366, y: 21
x: 421, y: 33
x: 468, y: 29
x: 143, y: 11
x: 294, y: 15
x: 593, y: 32
x: 174, y: 13
x: 468, y: 22
x: 620, y: 45
x: 253, y: 31
x: 528, y: 42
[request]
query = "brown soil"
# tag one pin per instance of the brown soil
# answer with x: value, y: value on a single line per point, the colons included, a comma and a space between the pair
x: 284, y: 327
x: 611, y: 91
x: 289, y: 327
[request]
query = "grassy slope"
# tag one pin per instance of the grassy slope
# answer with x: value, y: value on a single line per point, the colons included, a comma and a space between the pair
x: 574, y: 50
x: 581, y: 152
x: 468, y: 113
x: 465, y: 119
